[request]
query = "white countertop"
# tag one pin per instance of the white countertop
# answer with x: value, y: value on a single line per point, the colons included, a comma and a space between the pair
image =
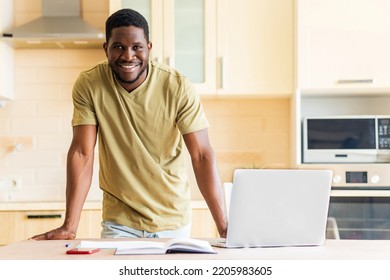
x: 336, y: 259
x: 331, y: 250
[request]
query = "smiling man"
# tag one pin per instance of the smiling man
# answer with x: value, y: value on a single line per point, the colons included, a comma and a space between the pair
x: 142, y: 113
x: 128, y: 55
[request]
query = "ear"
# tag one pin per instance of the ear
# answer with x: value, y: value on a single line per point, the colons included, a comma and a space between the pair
x: 149, y: 45
x: 105, y: 45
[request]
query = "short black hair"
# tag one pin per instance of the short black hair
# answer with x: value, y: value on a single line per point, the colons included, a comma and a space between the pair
x: 126, y: 17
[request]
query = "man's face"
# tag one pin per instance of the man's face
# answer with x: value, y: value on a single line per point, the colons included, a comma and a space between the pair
x: 127, y: 52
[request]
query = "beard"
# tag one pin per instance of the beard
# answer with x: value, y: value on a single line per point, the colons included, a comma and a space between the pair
x: 120, y: 79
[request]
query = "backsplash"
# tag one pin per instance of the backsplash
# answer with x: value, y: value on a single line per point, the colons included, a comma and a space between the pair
x: 245, y: 132
x: 249, y: 133
x: 38, y: 121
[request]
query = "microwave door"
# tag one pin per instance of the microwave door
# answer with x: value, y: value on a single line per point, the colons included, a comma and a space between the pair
x: 340, y: 140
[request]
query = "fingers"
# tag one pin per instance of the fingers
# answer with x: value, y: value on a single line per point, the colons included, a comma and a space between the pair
x: 56, y: 234
x: 72, y: 236
x: 37, y: 237
x: 223, y: 233
x: 44, y: 236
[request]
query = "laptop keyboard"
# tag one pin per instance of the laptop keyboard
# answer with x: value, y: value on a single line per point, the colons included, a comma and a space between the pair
x: 219, y: 242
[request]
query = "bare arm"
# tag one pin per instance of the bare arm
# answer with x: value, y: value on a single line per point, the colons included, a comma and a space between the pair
x: 78, y: 176
x: 207, y: 176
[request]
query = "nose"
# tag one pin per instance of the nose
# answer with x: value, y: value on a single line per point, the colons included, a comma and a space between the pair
x: 128, y: 53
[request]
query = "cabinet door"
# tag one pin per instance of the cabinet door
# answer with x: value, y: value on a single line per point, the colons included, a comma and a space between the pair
x: 255, y: 47
x: 343, y: 43
x: 12, y: 229
x: 6, y: 54
x: 203, y: 225
x: 192, y: 45
x: 21, y: 225
x: 90, y: 224
x: 6, y: 72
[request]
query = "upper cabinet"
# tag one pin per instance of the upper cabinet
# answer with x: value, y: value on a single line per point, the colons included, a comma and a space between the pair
x: 222, y: 47
x: 6, y: 56
x: 255, y: 47
x: 6, y: 72
x: 343, y: 44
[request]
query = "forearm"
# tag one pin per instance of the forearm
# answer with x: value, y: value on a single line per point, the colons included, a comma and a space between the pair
x: 209, y: 183
x: 79, y: 177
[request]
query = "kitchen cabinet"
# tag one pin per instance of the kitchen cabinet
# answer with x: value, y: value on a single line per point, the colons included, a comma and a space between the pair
x: 22, y: 224
x: 255, y: 47
x: 203, y: 225
x: 6, y: 56
x: 223, y: 48
x: 6, y: 72
x: 343, y: 44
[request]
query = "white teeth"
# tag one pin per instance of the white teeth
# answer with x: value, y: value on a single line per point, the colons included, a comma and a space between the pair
x: 129, y: 66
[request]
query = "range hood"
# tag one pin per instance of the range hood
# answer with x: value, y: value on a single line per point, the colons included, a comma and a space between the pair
x: 60, y: 26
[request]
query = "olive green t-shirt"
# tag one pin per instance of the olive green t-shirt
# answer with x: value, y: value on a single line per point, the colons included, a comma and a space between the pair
x: 141, y: 149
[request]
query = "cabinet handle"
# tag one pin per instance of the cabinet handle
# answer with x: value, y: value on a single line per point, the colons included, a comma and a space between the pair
x: 44, y: 216
x: 356, y: 81
x: 222, y: 72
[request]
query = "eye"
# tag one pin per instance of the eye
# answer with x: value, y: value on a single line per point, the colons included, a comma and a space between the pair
x: 117, y: 47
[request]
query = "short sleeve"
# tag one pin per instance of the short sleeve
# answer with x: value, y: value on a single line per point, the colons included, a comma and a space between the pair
x: 191, y: 116
x: 83, y: 109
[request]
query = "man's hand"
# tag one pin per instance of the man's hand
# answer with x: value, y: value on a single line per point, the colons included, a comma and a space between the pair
x: 223, y: 233
x: 56, y: 234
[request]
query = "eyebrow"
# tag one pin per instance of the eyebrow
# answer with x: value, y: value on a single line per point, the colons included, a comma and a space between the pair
x: 133, y: 43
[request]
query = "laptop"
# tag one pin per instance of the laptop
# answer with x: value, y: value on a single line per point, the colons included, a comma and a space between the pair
x: 277, y: 207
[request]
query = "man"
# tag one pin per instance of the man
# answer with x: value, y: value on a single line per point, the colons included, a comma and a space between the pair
x: 140, y: 112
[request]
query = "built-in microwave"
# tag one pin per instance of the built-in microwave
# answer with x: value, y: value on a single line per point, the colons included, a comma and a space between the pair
x: 346, y: 139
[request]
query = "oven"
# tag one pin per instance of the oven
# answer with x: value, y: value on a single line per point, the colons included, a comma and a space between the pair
x: 360, y: 200
x: 359, y: 214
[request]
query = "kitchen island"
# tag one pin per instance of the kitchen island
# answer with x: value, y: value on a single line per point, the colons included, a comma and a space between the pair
x: 331, y: 250
x: 336, y: 259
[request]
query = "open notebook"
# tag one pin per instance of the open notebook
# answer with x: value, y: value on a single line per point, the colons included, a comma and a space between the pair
x: 152, y: 247
x: 278, y: 207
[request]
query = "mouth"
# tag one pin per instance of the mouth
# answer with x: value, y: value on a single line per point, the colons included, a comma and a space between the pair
x: 129, y: 67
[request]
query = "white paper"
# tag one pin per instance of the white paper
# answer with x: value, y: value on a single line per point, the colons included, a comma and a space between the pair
x: 120, y: 244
